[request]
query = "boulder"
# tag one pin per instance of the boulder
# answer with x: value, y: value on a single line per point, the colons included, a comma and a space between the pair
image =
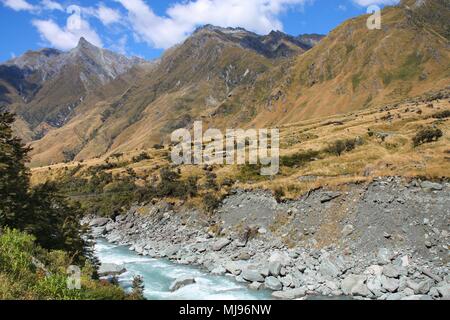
x: 348, y: 230
x: 287, y: 281
x: 275, y: 268
x: 99, y: 222
x: 328, y: 196
x: 330, y: 268
x: 273, y: 283
x: 390, y: 284
x: 181, y: 282
x: 428, y: 185
x: 233, y: 268
x: 220, y: 244
x: 255, y: 286
x: 252, y: 275
x: 218, y: 271
x: 355, y: 285
x: 289, y: 294
x: 444, y: 291
x: 392, y: 271
x: 110, y: 269
x: 385, y: 256
x: 418, y: 297
x: 375, y: 286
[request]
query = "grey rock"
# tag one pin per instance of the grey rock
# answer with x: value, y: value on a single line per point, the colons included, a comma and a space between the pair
x: 256, y: 286
x: 233, y: 268
x: 287, y: 281
x: 375, y: 286
x: 385, y: 256
x: 273, y: 283
x: 391, y: 271
x: 444, y: 291
x: 99, y: 222
x: 390, y: 284
x: 329, y: 196
x: 220, y: 244
x: 289, y: 294
x: 252, y: 275
x: 218, y: 271
x: 351, y: 283
x: 428, y: 185
x: 110, y: 269
x: 181, y: 282
x: 274, y: 268
x: 329, y: 268
x: 396, y: 296
x: 418, y: 297
x: 348, y: 230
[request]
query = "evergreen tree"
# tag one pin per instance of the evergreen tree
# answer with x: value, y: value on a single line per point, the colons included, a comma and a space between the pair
x: 40, y: 211
x: 138, y: 287
x: 14, y: 175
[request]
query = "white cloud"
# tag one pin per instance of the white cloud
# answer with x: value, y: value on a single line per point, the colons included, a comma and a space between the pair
x: 366, y: 3
x: 66, y: 37
x: 51, y: 5
x: 181, y: 19
x: 23, y: 5
x: 120, y: 46
x: 19, y: 5
x: 107, y: 15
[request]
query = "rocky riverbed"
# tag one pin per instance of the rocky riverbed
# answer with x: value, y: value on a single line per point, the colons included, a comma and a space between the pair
x: 387, y: 239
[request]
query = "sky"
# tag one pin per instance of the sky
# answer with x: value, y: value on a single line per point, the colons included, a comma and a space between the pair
x: 145, y: 28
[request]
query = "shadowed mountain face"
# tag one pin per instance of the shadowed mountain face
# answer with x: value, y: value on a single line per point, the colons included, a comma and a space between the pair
x: 45, y: 87
x: 274, y: 45
x: 229, y: 78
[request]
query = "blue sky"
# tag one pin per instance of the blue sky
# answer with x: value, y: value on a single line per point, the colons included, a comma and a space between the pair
x: 147, y: 27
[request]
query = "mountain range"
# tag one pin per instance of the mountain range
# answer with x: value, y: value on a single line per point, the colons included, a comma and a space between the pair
x: 91, y: 102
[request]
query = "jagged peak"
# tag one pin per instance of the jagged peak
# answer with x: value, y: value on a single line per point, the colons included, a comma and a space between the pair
x: 84, y: 44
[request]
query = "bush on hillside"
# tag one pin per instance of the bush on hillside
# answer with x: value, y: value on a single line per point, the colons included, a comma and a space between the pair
x: 141, y: 157
x: 299, y: 159
x: 339, y: 147
x: 442, y: 114
x: 427, y: 135
x: 27, y: 271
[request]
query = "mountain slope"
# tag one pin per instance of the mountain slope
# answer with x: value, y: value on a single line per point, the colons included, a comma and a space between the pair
x: 194, y: 80
x: 355, y: 68
x: 45, y: 87
x: 231, y: 78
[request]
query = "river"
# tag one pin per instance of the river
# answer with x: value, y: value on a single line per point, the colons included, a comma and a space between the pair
x: 158, y: 274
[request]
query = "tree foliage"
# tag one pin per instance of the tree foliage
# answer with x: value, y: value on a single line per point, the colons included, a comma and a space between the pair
x: 40, y: 211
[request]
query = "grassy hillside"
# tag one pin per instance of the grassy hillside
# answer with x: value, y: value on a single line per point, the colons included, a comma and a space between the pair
x: 376, y: 142
x: 226, y: 85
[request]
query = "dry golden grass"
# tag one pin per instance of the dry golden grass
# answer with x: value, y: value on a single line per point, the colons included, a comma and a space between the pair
x: 396, y: 156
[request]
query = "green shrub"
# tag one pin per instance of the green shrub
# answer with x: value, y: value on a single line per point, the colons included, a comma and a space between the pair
x: 210, y: 203
x: 250, y: 172
x: 211, y: 183
x: 141, y: 157
x: 427, y: 135
x: 340, y: 146
x: 29, y: 272
x: 299, y: 159
x: 442, y: 114
x: 170, y: 184
x: 278, y: 193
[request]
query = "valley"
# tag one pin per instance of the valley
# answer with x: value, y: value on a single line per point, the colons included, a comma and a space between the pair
x: 358, y: 209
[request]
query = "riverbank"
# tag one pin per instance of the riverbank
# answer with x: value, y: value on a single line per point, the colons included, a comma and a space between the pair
x: 159, y: 274
x: 388, y: 239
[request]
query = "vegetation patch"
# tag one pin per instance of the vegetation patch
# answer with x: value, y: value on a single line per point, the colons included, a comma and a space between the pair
x: 427, y: 135
x: 299, y: 159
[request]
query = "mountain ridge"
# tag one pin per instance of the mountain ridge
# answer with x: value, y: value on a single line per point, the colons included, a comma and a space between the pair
x: 230, y: 77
